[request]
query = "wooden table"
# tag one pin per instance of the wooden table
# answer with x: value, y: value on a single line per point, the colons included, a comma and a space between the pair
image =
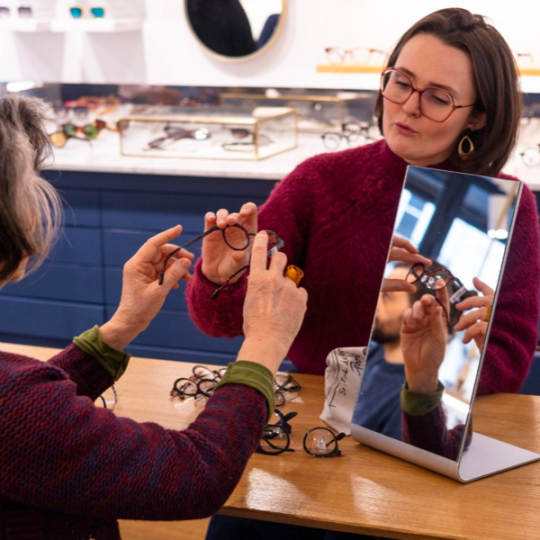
x: 364, y: 491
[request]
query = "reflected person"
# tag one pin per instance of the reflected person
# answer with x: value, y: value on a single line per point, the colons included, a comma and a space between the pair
x: 223, y: 26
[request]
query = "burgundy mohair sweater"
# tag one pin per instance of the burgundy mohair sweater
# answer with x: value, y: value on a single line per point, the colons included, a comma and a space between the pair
x: 69, y: 470
x: 336, y: 214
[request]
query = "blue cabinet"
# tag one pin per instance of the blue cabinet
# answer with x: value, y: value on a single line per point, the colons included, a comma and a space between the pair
x: 107, y: 219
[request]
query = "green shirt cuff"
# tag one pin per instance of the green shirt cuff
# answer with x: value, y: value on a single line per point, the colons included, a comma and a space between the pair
x: 254, y: 375
x: 417, y: 404
x: 113, y: 361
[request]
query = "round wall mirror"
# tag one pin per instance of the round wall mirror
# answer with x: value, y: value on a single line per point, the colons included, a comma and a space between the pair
x: 236, y: 30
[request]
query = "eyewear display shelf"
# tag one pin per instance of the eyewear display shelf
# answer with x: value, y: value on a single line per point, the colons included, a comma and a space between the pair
x: 530, y: 76
x: 19, y: 24
x: 107, y: 218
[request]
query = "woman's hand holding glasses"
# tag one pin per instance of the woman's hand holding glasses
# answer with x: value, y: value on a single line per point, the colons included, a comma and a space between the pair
x: 219, y: 260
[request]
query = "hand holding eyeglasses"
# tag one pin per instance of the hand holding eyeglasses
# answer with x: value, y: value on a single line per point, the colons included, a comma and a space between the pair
x: 423, y: 341
x: 219, y: 261
x: 476, y: 322
x: 142, y: 296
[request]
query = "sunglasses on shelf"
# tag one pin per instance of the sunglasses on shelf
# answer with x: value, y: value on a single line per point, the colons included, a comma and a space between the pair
x: 89, y: 132
x: 78, y: 12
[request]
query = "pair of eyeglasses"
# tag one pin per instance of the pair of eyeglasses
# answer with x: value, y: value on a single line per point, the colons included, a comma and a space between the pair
x: 436, y: 279
x: 177, y: 134
x: 435, y: 104
x: 68, y: 131
x: 109, y: 399
x: 318, y: 442
x: 249, y: 144
x: 186, y: 387
x: 238, y: 239
x: 284, y: 386
x: 183, y: 386
x: 77, y: 12
x: 23, y: 11
x: 358, y: 55
x: 531, y: 156
x: 351, y: 132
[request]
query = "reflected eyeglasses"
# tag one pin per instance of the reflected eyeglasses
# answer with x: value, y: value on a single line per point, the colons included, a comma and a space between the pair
x: 436, y: 279
x: 435, y: 104
x: 318, y: 442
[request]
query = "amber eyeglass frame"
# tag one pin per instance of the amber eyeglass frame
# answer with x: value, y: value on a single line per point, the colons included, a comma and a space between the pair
x: 420, y: 93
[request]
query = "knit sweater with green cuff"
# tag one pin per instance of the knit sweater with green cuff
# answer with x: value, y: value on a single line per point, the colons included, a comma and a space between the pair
x: 70, y: 469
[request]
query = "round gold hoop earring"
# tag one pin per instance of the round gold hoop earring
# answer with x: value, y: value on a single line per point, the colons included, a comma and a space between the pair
x: 462, y: 154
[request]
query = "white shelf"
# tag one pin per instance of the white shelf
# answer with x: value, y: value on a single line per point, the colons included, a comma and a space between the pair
x: 19, y: 24
x: 96, y: 25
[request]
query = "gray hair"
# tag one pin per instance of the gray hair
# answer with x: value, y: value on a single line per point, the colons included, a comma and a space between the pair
x: 30, y: 208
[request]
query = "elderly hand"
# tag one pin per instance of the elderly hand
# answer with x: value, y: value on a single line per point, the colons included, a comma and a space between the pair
x: 403, y: 251
x: 142, y: 296
x: 475, y: 322
x: 273, y: 310
x: 219, y: 260
x: 423, y: 342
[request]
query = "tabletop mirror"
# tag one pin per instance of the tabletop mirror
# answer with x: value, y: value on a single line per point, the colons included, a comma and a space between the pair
x: 236, y: 30
x: 463, y: 224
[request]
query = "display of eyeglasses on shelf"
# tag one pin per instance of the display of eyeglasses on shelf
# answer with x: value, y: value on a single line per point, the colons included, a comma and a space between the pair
x: 354, y: 60
x: 249, y: 134
x: 316, y: 113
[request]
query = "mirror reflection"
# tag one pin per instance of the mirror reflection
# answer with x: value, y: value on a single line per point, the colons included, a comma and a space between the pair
x: 426, y: 346
x: 235, y: 28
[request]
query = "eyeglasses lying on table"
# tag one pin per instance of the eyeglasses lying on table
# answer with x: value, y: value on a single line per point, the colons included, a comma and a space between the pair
x: 436, y: 279
x: 531, y: 156
x: 176, y: 134
x: 318, y: 442
x: 23, y: 11
x: 108, y: 399
x: 189, y: 386
x: 285, y: 385
x: 237, y: 238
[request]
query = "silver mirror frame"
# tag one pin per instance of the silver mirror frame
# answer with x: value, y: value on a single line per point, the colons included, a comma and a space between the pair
x: 485, y: 456
x: 239, y: 59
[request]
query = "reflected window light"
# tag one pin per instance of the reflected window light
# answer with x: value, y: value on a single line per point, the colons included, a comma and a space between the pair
x: 499, y: 234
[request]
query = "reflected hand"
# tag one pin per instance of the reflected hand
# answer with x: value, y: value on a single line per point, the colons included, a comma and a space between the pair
x: 475, y: 322
x: 423, y: 343
x: 219, y: 260
x: 142, y: 296
x: 403, y: 251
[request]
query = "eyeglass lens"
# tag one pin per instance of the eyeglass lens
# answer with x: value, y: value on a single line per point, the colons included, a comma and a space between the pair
x: 435, y: 104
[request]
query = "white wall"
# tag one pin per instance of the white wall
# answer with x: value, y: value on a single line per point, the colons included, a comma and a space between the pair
x: 165, y: 52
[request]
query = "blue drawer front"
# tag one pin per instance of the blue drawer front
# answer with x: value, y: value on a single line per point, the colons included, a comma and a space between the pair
x: 78, y: 246
x: 180, y: 355
x: 47, y: 319
x: 158, y: 212
x: 176, y: 300
x: 121, y: 245
x: 176, y: 330
x: 61, y: 282
x: 82, y: 209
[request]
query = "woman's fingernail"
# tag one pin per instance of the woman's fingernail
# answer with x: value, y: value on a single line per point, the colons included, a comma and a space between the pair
x: 185, y: 263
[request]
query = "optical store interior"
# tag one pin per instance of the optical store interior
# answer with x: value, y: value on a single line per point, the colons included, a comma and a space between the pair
x: 269, y: 269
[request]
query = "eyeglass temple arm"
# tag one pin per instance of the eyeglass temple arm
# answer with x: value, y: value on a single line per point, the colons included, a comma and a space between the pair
x: 188, y: 244
x: 215, y: 294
